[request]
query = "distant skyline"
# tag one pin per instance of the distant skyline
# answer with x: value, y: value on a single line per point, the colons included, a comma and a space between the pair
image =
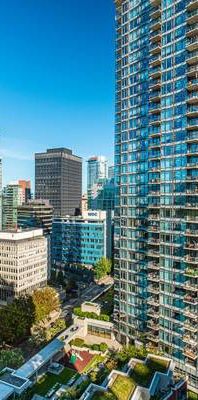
x: 57, y: 81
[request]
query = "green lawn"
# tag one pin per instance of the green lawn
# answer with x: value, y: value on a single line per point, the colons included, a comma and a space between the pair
x: 142, y: 374
x: 97, y: 358
x: 49, y: 380
x: 122, y: 387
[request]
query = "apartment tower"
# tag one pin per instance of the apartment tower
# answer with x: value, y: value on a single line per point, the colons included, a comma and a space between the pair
x: 156, y: 159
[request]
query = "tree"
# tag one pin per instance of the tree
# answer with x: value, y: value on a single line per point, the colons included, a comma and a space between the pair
x: 45, y: 301
x: 11, y: 358
x: 16, y: 320
x: 102, y: 268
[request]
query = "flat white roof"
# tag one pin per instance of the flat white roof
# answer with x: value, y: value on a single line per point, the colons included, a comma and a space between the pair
x: 5, y: 391
x: 21, y: 235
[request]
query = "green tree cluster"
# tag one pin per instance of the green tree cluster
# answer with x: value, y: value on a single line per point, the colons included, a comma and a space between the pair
x: 11, y: 358
x: 16, y: 320
x: 45, y: 301
x: 102, y: 268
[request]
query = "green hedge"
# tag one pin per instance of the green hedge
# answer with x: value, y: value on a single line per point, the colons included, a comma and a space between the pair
x: 103, y: 317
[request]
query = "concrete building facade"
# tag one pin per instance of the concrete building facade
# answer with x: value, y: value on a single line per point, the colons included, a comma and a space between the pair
x: 23, y: 263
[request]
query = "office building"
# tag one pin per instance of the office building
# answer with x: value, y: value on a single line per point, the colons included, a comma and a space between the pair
x: 23, y: 266
x: 26, y: 190
x: 12, y: 197
x: 79, y: 240
x: 156, y: 157
x: 96, y: 170
x: 58, y: 178
x: 35, y: 214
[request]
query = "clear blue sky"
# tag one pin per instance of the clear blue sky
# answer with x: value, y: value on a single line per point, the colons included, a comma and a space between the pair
x: 56, y: 80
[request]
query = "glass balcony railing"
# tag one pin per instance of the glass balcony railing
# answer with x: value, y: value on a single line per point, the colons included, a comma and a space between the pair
x: 192, y: 27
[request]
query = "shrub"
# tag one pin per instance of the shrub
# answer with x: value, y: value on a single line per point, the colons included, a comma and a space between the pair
x: 96, y: 347
x: 77, y: 342
x: 103, y: 347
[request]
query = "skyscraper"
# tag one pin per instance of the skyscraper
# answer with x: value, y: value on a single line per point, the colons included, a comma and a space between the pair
x: 96, y: 170
x: 58, y: 178
x: 156, y: 155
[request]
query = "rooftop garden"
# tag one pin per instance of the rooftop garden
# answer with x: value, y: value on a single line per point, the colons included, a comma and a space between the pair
x: 49, y: 380
x: 102, y: 317
x: 122, y: 387
x: 142, y: 374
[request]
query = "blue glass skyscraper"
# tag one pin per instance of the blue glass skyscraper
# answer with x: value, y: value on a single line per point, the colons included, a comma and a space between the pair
x: 156, y: 159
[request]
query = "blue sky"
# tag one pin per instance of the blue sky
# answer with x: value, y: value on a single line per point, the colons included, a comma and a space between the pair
x: 56, y: 80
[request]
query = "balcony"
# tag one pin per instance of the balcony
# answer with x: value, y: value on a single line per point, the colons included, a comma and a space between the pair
x: 193, y: 5
x: 191, y: 286
x: 191, y: 260
x: 192, y: 57
x: 153, y: 337
x: 192, y: 124
x: 192, y: 17
x: 155, y: 95
x: 155, y: 36
x: 192, y: 111
x: 155, y: 3
x: 155, y: 84
x: 190, y: 327
x: 152, y: 276
x: 155, y: 72
x: 155, y: 13
x: 192, y: 30
x: 192, y: 43
x: 192, y: 97
x: 155, y: 48
x: 190, y: 314
x: 193, y: 273
x: 191, y: 340
x: 152, y: 325
x: 192, y: 136
x: 154, y: 266
x: 193, y: 84
x: 191, y: 246
x: 153, y: 289
x: 191, y: 232
x: 155, y: 24
x: 155, y: 108
x: 190, y: 353
x: 191, y: 299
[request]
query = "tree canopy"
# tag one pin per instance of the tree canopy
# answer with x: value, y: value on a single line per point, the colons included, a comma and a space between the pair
x: 102, y: 268
x: 45, y: 301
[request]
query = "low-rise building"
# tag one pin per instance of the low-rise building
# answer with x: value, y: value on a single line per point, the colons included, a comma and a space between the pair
x: 81, y: 240
x: 23, y: 263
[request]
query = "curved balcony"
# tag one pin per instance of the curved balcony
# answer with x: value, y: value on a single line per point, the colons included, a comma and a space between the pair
x: 191, y: 299
x: 153, y: 266
x: 192, y: 5
x: 192, y: 43
x: 155, y: 36
x: 192, y: 84
x: 192, y: 57
x: 190, y: 353
x: 192, y: 97
x: 192, y: 17
x: 192, y: 111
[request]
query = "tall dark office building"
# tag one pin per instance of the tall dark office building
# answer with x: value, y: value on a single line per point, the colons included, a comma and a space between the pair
x: 58, y: 178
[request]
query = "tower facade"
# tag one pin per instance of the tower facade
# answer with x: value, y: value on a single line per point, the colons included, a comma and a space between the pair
x: 156, y: 154
x: 58, y: 178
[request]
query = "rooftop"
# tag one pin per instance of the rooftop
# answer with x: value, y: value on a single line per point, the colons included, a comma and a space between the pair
x: 36, y: 362
x: 5, y: 391
x: 21, y: 235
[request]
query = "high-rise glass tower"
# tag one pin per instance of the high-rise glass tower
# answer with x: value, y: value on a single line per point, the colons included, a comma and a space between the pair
x: 156, y: 159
